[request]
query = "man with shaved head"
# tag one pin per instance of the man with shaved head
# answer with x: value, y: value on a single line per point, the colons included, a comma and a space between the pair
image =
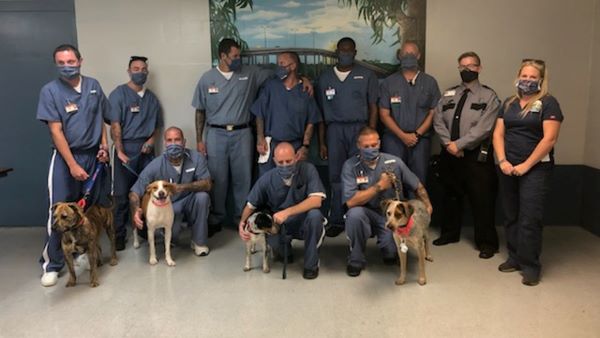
x: 293, y: 192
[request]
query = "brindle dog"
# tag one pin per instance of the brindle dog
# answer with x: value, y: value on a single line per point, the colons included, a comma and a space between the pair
x: 81, y: 234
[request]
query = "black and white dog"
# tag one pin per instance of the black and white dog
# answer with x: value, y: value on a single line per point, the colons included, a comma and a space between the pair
x: 259, y: 224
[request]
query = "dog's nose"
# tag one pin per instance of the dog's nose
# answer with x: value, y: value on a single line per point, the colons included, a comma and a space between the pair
x: 161, y: 194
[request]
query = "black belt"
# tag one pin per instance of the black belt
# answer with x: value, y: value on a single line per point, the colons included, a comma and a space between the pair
x: 230, y: 127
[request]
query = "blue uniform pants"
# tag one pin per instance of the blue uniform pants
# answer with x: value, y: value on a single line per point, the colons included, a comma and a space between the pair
x: 230, y: 156
x: 523, y: 205
x: 416, y: 158
x: 341, y: 145
x: 123, y: 180
x: 194, y: 208
x: 361, y: 224
x: 308, y: 227
x: 62, y: 187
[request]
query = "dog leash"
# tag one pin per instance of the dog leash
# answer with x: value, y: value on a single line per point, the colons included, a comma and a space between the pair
x: 89, y: 184
x: 395, y: 182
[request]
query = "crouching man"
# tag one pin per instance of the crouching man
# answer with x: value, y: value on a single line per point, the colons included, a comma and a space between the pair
x: 187, y: 169
x: 368, y: 179
x: 293, y: 192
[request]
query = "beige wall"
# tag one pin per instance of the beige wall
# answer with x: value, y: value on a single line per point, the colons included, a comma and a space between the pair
x: 175, y: 35
x: 592, y: 141
x: 503, y: 33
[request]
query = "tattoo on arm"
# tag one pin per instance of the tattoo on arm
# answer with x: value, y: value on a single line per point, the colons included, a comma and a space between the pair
x: 200, y: 119
x: 201, y: 185
x: 134, y: 202
x: 115, y: 133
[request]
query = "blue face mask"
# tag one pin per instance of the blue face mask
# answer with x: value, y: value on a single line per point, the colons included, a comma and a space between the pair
x: 286, y: 171
x: 528, y: 87
x: 282, y: 72
x: 139, y: 78
x: 409, y: 61
x: 68, y: 72
x: 345, y: 59
x: 174, y: 151
x: 235, y: 65
x: 369, y: 154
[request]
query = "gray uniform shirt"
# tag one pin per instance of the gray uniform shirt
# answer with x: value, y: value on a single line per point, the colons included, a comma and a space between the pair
x: 477, y: 118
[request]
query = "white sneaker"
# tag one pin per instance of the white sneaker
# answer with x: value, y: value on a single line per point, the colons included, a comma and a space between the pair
x: 83, y: 262
x: 200, y: 250
x: 49, y: 278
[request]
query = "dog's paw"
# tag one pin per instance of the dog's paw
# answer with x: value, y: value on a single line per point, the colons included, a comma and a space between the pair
x: 422, y: 281
x: 94, y: 284
x: 266, y: 270
x: 399, y: 281
x: 153, y: 261
x: 70, y: 283
x: 113, y: 261
x: 170, y: 262
x: 136, y: 245
x: 246, y: 268
x: 429, y: 259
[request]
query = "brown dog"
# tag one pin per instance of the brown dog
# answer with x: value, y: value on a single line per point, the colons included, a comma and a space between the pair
x: 158, y: 213
x: 81, y: 234
x: 409, y: 222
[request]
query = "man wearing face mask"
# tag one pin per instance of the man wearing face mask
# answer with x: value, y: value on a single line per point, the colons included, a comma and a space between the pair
x: 293, y: 192
x: 187, y: 169
x: 366, y: 182
x: 464, y: 119
x: 75, y: 109
x: 347, y: 95
x: 406, y: 105
x: 133, y: 137
x: 284, y: 113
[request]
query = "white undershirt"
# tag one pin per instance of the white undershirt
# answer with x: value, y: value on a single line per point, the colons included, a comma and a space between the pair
x: 178, y: 168
x: 78, y: 87
x: 341, y: 75
x: 142, y: 92
x: 227, y: 75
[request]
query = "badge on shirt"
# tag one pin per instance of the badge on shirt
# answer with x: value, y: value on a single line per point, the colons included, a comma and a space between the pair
x: 450, y: 93
x: 395, y: 99
x: 135, y: 109
x: 71, y: 107
x: 358, y: 77
x: 213, y: 90
x: 536, y: 107
x: 243, y: 78
x: 362, y: 179
x: 93, y: 91
x: 330, y: 93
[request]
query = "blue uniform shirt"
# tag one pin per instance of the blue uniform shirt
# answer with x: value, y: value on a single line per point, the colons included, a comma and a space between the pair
x: 228, y: 101
x: 522, y: 134
x: 193, y: 168
x: 139, y: 116
x: 409, y: 104
x: 347, y: 101
x: 82, y: 114
x: 285, y: 112
x: 270, y: 190
x: 356, y: 175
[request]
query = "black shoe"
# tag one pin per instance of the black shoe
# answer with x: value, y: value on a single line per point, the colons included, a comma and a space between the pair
x: 486, y: 254
x: 508, y: 267
x: 279, y: 258
x: 530, y: 281
x: 353, y: 271
x: 391, y: 260
x: 445, y: 240
x: 310, y: 274
x: 120, y: 243
x: 213, y: 229
x: 333, y: 231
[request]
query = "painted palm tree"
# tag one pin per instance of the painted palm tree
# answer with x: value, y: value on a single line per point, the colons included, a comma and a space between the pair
x: 222, y: 22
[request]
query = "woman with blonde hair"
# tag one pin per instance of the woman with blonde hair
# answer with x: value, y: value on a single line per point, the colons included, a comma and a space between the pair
x: 526, y: 131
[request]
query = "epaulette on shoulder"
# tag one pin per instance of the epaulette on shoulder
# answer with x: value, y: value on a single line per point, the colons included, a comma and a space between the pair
x: 485, y: 86
x: 453, y: 87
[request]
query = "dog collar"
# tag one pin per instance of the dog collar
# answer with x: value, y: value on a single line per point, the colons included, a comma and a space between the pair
x: 405, y: 230
x: 159, y: 204
x: 248, y: 229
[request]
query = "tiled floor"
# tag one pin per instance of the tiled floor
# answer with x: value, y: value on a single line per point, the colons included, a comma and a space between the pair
x: 212, y: 297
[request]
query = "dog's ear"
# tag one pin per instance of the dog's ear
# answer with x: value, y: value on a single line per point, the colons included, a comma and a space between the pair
x: 76, y: 209
x: 409, y: 210
x: 149, y: 188
x: 53, y: 207
x: 385, y: 204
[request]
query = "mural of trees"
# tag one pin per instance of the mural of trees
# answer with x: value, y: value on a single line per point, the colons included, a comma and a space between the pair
x: 222, y: 21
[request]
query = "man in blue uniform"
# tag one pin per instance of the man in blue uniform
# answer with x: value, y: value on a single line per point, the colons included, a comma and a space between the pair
x: 222, y: 100
x: 284, y: 112
x: 406, y: 104
x: 133, y: 136
x: 75, y: 109
x: 186, y: 169
x: 347, y: 94
x: 368, y: 179
x: 293, y: 192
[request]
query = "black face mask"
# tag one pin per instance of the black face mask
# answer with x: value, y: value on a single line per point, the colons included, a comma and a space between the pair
x: 468, y: 75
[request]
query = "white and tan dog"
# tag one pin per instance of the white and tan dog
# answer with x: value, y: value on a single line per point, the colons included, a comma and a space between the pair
x: 259, y: 224
x: 409, y: 222
x: 158, y: 213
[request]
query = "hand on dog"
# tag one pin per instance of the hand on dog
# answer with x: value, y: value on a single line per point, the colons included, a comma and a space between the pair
x: 78, y: 173
x: 244, y: 235
x: 137, y: 219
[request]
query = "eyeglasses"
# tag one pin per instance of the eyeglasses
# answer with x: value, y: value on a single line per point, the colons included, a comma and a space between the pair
x: 538, y: 61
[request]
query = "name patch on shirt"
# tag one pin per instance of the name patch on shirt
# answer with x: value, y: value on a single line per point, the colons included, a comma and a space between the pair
x: 243, y: 78
x: 135, y: 109
x: 362, y: 180
x: 213, y: 90
x: 450, y: 93
x: 189, y: 170
x: 358, y: 77
x: 93, y: 91
x: 71, y: 107
x: 389, y: 161
x: 395, y: 99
